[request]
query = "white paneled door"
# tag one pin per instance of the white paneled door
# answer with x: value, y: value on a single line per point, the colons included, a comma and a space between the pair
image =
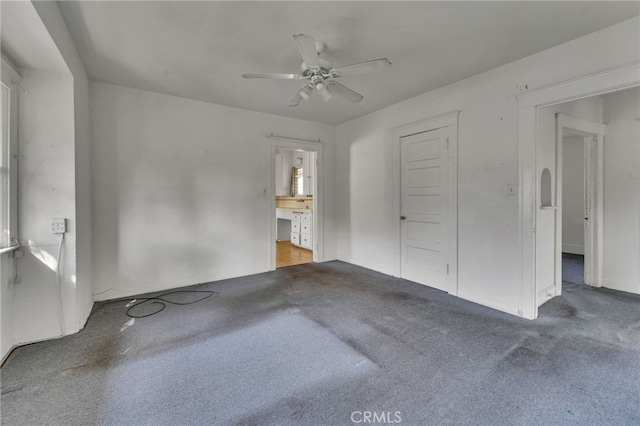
x: 424, y: 208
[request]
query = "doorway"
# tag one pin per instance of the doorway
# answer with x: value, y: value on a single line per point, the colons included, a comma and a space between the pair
x: 294, y: 188
x: 574, y: 144
x: 532, y: 140
x: 296, y: 208
x: 574, y: 211
x: 581, y: 185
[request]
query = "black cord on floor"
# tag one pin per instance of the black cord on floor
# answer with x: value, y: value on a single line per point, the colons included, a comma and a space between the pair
x: 160, y: 300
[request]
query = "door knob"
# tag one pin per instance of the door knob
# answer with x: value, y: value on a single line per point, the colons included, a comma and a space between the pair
x: 403, y: 217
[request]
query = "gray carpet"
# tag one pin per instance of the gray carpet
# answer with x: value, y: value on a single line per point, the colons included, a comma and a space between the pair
x: 322, y: 344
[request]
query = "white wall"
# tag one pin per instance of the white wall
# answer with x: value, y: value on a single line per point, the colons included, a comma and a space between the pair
x: 280, y: 179
x: 487, y: 162
x: 52, y: 18
x: 309, y: 172
x: 573, y: 195
x: 283, y: 184
x: 7, y: 262
x: 621, y: 264
x: 53, y: 174
x: 46, y: 188
x: 178, y: 189
x: 6, y: 302
x: 587, y: 109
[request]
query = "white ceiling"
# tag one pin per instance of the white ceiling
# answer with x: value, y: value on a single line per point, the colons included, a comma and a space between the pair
x: 200, y: 50
x: 25, y: 40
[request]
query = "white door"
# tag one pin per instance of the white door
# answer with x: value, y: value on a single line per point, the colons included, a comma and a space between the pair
x: 424, y: 207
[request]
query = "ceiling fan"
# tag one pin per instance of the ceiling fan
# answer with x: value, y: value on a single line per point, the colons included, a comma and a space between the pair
x: 321, y: 75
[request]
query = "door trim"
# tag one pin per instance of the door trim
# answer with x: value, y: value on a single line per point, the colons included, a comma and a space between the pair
x: 277, y: 142
x: 449, y: 120
x: 608, y: 81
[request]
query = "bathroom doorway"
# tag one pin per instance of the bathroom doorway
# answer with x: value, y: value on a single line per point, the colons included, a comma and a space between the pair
x: 294, y: 189
x: 296, y: 214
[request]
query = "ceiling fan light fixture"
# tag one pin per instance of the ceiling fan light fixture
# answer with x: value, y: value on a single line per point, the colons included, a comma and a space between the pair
x: 327, y: 94
x: 306, y: 92
x: 318, y: 84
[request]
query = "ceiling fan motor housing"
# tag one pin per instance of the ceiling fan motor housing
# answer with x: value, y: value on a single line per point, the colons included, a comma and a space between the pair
x: 325, y: 67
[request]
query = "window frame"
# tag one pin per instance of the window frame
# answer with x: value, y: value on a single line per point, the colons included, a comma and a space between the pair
x: 10, y: 78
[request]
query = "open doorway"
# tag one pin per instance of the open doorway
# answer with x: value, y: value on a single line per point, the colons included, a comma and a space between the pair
x: 537, y: 161
x: 580, y: 181
x: 573, y: 209
x: 587, y: 223
x: 569, y: 217
x: 581, y: 187
x: 295, y: 176
x: 286, y: 207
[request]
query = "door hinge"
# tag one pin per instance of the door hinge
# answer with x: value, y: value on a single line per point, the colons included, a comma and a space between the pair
x: 447, y: 143
x: 447, y: 268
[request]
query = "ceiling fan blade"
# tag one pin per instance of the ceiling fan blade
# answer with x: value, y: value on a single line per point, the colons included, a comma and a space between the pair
x: 344, y: 91
x: 361, y: 68
x: 301, y: 94
x: 295, y: 100
x: 274, y: 76
x: 307, y: 47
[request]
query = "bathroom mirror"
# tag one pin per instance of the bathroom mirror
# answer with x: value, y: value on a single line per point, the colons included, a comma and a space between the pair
x: 297, y: 181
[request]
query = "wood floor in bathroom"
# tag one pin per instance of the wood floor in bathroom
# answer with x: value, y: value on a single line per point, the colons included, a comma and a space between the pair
x: 287, y: 254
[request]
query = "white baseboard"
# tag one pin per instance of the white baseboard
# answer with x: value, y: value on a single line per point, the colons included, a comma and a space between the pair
x: 6, y: 355
x: 513, y: 310
x: 367, y: 265
x: 85, y: 315
x: 547, y: 294
x: 573, y: 248
x: 130, y: 291
x: 614, y: 284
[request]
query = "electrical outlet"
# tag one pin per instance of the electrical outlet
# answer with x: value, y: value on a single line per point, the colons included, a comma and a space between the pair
x: 58, y: 225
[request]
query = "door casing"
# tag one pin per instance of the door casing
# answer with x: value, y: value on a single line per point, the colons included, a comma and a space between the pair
x: 612, y: 80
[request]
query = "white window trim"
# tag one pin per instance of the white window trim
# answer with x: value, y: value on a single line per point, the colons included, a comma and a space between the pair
x: 10, y: 78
